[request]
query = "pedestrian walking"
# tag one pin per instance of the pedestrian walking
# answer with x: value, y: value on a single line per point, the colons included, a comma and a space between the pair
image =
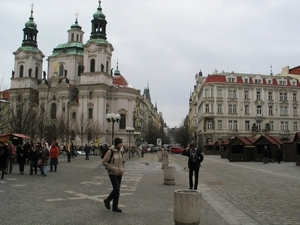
x: 54, y: 152
x: 87, y: 150
x: 114, y: 162
x: 21, y: 157
x: 194, y: 163
x: 265, y: 155
x: 3, y: 158
x: 43, y: 158
x: 11, y: 156
x: 279, y: 153
x: 33, y: 157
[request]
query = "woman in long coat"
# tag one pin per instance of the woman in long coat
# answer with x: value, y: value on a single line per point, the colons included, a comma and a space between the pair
x: 21, y: 157
x: 3, y: 158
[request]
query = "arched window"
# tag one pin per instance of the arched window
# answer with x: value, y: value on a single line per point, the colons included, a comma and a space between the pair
x: 72, y: 37
x: 79, y: 70
x: 92, y: 66
x: 77, y: 37
x: 122, y: 123
x: 21, y: 72
x: 61, y: 70
x: 90, y: 95
x: 53, y: 111
x: 106, y: 66
x: 36, y: 72
x: 74, y: 115
x: 90, y: 113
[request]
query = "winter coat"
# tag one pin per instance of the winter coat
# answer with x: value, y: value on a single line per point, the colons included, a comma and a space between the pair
x: 54, y: 152
x: 114, y: 162
x: 21, y: 154
x: 195, y: 157
x: 3, y: 157
x: 33, y: 154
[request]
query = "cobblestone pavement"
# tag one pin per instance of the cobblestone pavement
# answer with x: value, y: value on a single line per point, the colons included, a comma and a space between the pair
x: 252, y: 192
x: 232, y: 193
x: 75, y: 193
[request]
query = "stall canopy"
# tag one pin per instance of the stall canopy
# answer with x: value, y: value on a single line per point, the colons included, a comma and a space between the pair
x: 13, y: 136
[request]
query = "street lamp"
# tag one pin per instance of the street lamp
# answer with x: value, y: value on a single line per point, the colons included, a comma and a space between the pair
x: 112, y: 118
x: 129, y: 130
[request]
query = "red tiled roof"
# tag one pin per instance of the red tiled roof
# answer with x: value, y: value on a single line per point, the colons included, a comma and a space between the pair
x: 215, y: 78
x: 119, y: 80
x: 295, y: 70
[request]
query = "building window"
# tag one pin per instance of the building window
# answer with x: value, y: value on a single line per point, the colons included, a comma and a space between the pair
x: 232, y: 109
x: 258, y: 96
x: 232, y: 124
x: 247, y: 125
x: 282, y: 82
x: 271, y: 124
x: 294, y: 97
x: 53, y: 111
x: 257, y: 81
x: 247, y: 109
x: 208, y: 125
x: 283, y: 110
x: 246, y: 94
x: 283, y: 97
x: 270, y: 96
x: 269, y: 81
x: 231, y: 79
x: 90, y: 95
x: 206, y: 93
x: 36, y: 72
x: 295, y: 111
x: 21, y: 72
x: 258, y: 125
x: 122, y: 123
x: 295, y: 126
x: 220, y: 125
x: 246, y: 80
x: 284, y: 125
x: 231, y: 93
x: 207, y: 108
x: 219, y: 108
x: 259, y: 110
x: 92, y: 65
x: 270, y: 110
x: 219, y: 93
x: 61, y: 70
x: 74, y: 115
x: 90, y: 113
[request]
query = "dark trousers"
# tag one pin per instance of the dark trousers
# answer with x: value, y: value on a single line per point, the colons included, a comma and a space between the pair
x: 10, y: 163
x: 87, y: 156
x: 115, y: 193
x: 69, y: 158
x: 194, y: 171
x: 33, y: 165
x: 53, y: 163
x: 21, y: 167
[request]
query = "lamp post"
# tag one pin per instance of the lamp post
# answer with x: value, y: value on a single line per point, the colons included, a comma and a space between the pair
x: 112, y: 118
x: 129, y: 130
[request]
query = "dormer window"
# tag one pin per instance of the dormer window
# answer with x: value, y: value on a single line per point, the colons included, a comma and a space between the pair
x: 246, y: 80
x: 257, y: 81
x: 269, y: 81
x: 231, y: 79
x: 282, y: 82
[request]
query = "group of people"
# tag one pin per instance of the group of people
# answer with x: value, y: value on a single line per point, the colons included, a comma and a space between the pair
x: 268, y: 157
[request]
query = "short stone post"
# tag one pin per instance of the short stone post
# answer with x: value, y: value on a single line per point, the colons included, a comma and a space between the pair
x: 164, y: 162
x: 169, y: 175
x: 187, y: 207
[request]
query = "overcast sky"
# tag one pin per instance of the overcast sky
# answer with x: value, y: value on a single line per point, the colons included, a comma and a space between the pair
x: 166, y: 42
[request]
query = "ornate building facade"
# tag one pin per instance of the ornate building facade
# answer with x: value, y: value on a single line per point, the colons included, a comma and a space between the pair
x: 224, y: 105
x: 80, y: 86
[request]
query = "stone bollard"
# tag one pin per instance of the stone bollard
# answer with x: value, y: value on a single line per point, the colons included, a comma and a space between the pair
x: 164, y: 162
x: 187, y: 207
x: 169, y: 175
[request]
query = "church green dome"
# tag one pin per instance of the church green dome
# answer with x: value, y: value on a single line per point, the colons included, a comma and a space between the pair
x: 30, y: 24
x: 99, y: 14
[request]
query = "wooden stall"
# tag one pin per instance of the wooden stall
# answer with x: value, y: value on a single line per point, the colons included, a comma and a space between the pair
x: 296, y: 142
x: 241, y: 149
x: 271, y: 142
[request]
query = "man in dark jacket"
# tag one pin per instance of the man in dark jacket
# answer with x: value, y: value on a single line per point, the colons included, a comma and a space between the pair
x: 195, y: 159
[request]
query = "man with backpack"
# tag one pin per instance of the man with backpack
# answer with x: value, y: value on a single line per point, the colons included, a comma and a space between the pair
x: 195, y: 159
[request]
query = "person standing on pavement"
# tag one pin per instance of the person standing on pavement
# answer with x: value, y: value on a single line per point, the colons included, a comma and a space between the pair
x: 54, y: 152
x: 279, y: 153
x: 114, y: 162
x: 87, y: 150
x: 21, y: 157
x: 11, y: 156
x: 3, y: 158
x: 265, y: 155
x: 33, y: 157
x: 194, y: 163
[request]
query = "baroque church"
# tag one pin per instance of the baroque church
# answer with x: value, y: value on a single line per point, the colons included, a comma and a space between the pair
x: 80, y: 86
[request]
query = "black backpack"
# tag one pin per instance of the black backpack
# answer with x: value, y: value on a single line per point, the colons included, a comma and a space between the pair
x: 195, y: 156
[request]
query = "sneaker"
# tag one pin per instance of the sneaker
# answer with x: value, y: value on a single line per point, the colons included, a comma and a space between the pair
x: 106, y: 203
